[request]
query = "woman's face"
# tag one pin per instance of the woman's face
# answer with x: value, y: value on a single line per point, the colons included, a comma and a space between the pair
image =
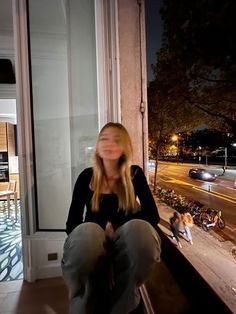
x: 110, y: 146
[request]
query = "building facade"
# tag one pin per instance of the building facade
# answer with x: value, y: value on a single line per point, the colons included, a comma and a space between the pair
x: 78, y: 65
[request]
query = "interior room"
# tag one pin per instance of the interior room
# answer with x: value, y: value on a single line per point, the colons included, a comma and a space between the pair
x: 11, y: 267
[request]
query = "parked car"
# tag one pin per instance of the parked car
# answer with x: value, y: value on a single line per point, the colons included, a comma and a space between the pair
x: 151, y: 164
x: 202, y: 174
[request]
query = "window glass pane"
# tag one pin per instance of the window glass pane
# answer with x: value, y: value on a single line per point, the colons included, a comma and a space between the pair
x: 64, y: 94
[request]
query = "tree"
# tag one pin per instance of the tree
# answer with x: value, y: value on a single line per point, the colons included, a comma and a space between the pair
x: 165, y: 117
x: 209, y: 139
x: 195, y: 67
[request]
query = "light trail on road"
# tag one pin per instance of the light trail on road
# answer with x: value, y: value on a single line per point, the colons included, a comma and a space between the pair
x: 216, y: 194
x: 212, y: 193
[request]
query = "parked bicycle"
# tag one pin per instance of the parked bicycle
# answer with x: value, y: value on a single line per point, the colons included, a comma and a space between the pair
x: 204, y: 217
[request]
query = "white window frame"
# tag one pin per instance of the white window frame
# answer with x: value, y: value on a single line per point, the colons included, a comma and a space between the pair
x: 108, y: 75
x: 109, y: 110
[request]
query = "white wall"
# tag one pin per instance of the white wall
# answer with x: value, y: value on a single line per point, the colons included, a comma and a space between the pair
x: 133, y: 82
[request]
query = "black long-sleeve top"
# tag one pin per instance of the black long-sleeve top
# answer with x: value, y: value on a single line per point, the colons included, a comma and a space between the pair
x: 80, y: 209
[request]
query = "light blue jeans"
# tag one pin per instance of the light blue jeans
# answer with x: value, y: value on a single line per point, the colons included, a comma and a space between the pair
x: 188, y: 233
x: 90, y: 264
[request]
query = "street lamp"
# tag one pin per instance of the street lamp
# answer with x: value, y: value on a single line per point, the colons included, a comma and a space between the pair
x: 226, y: 156
x: 175, y: 138
x: 199, y: 154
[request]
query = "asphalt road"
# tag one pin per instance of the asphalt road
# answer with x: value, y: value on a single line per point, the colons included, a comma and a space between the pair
x: 219, y: 194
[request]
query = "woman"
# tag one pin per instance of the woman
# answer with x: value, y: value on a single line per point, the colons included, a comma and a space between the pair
x: 174, y: 227
x: 111, y: 245
x: 188, y: 223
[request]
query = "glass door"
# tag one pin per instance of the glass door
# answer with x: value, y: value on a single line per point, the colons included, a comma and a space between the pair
x: 64, y: 101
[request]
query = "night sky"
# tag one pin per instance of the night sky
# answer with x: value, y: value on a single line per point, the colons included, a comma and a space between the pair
x: 153, y: 32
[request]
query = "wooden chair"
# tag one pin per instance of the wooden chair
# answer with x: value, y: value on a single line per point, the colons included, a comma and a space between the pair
x: 11, y: 190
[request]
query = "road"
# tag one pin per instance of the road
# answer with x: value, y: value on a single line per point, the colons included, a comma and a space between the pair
x: 219, y: 194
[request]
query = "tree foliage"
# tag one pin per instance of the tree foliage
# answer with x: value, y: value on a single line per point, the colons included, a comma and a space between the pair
x: 195, y: 72
x: 209, y: 139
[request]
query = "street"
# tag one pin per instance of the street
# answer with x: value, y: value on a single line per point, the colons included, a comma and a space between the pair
x: 219, y: 194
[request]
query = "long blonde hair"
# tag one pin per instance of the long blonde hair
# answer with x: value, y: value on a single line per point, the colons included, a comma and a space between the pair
x: 125, y: 189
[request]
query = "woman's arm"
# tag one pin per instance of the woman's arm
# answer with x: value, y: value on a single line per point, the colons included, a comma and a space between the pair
x: 81, y: 188
x: 148, y: 206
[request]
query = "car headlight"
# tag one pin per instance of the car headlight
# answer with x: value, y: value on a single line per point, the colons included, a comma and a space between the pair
x: 207, y: 175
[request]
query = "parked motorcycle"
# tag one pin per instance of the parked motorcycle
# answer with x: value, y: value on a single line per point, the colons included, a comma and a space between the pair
x: 212, y: 220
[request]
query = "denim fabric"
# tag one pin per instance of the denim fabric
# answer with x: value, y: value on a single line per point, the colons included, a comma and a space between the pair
x: 188, y: 232
x: 104, y: 276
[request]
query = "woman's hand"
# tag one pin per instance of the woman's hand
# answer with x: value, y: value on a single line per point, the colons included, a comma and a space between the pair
x: 109, y: 231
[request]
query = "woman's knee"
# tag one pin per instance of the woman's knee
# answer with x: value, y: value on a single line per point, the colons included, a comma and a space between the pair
x: 141, y: 239
x: 84, y: 245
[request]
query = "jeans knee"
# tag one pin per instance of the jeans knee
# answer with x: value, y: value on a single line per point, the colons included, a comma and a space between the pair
x: 88, y: 229
x: 141, y: 239
x: 84, y: 246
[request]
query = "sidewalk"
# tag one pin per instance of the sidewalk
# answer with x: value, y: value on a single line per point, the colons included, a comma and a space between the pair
x: 210, y: 255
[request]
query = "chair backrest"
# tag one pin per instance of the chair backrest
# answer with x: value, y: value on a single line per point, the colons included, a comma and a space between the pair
x: 12, y: 185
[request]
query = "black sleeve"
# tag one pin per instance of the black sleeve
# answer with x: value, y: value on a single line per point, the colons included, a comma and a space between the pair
x: 75, y: 216
x: 148, y: 206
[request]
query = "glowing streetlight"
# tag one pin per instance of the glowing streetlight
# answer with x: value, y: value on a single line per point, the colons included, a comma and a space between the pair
x: 175, y: 138
x: 199, y: 154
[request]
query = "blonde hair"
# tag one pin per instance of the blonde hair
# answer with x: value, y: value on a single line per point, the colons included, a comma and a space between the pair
x: 125, y: 189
